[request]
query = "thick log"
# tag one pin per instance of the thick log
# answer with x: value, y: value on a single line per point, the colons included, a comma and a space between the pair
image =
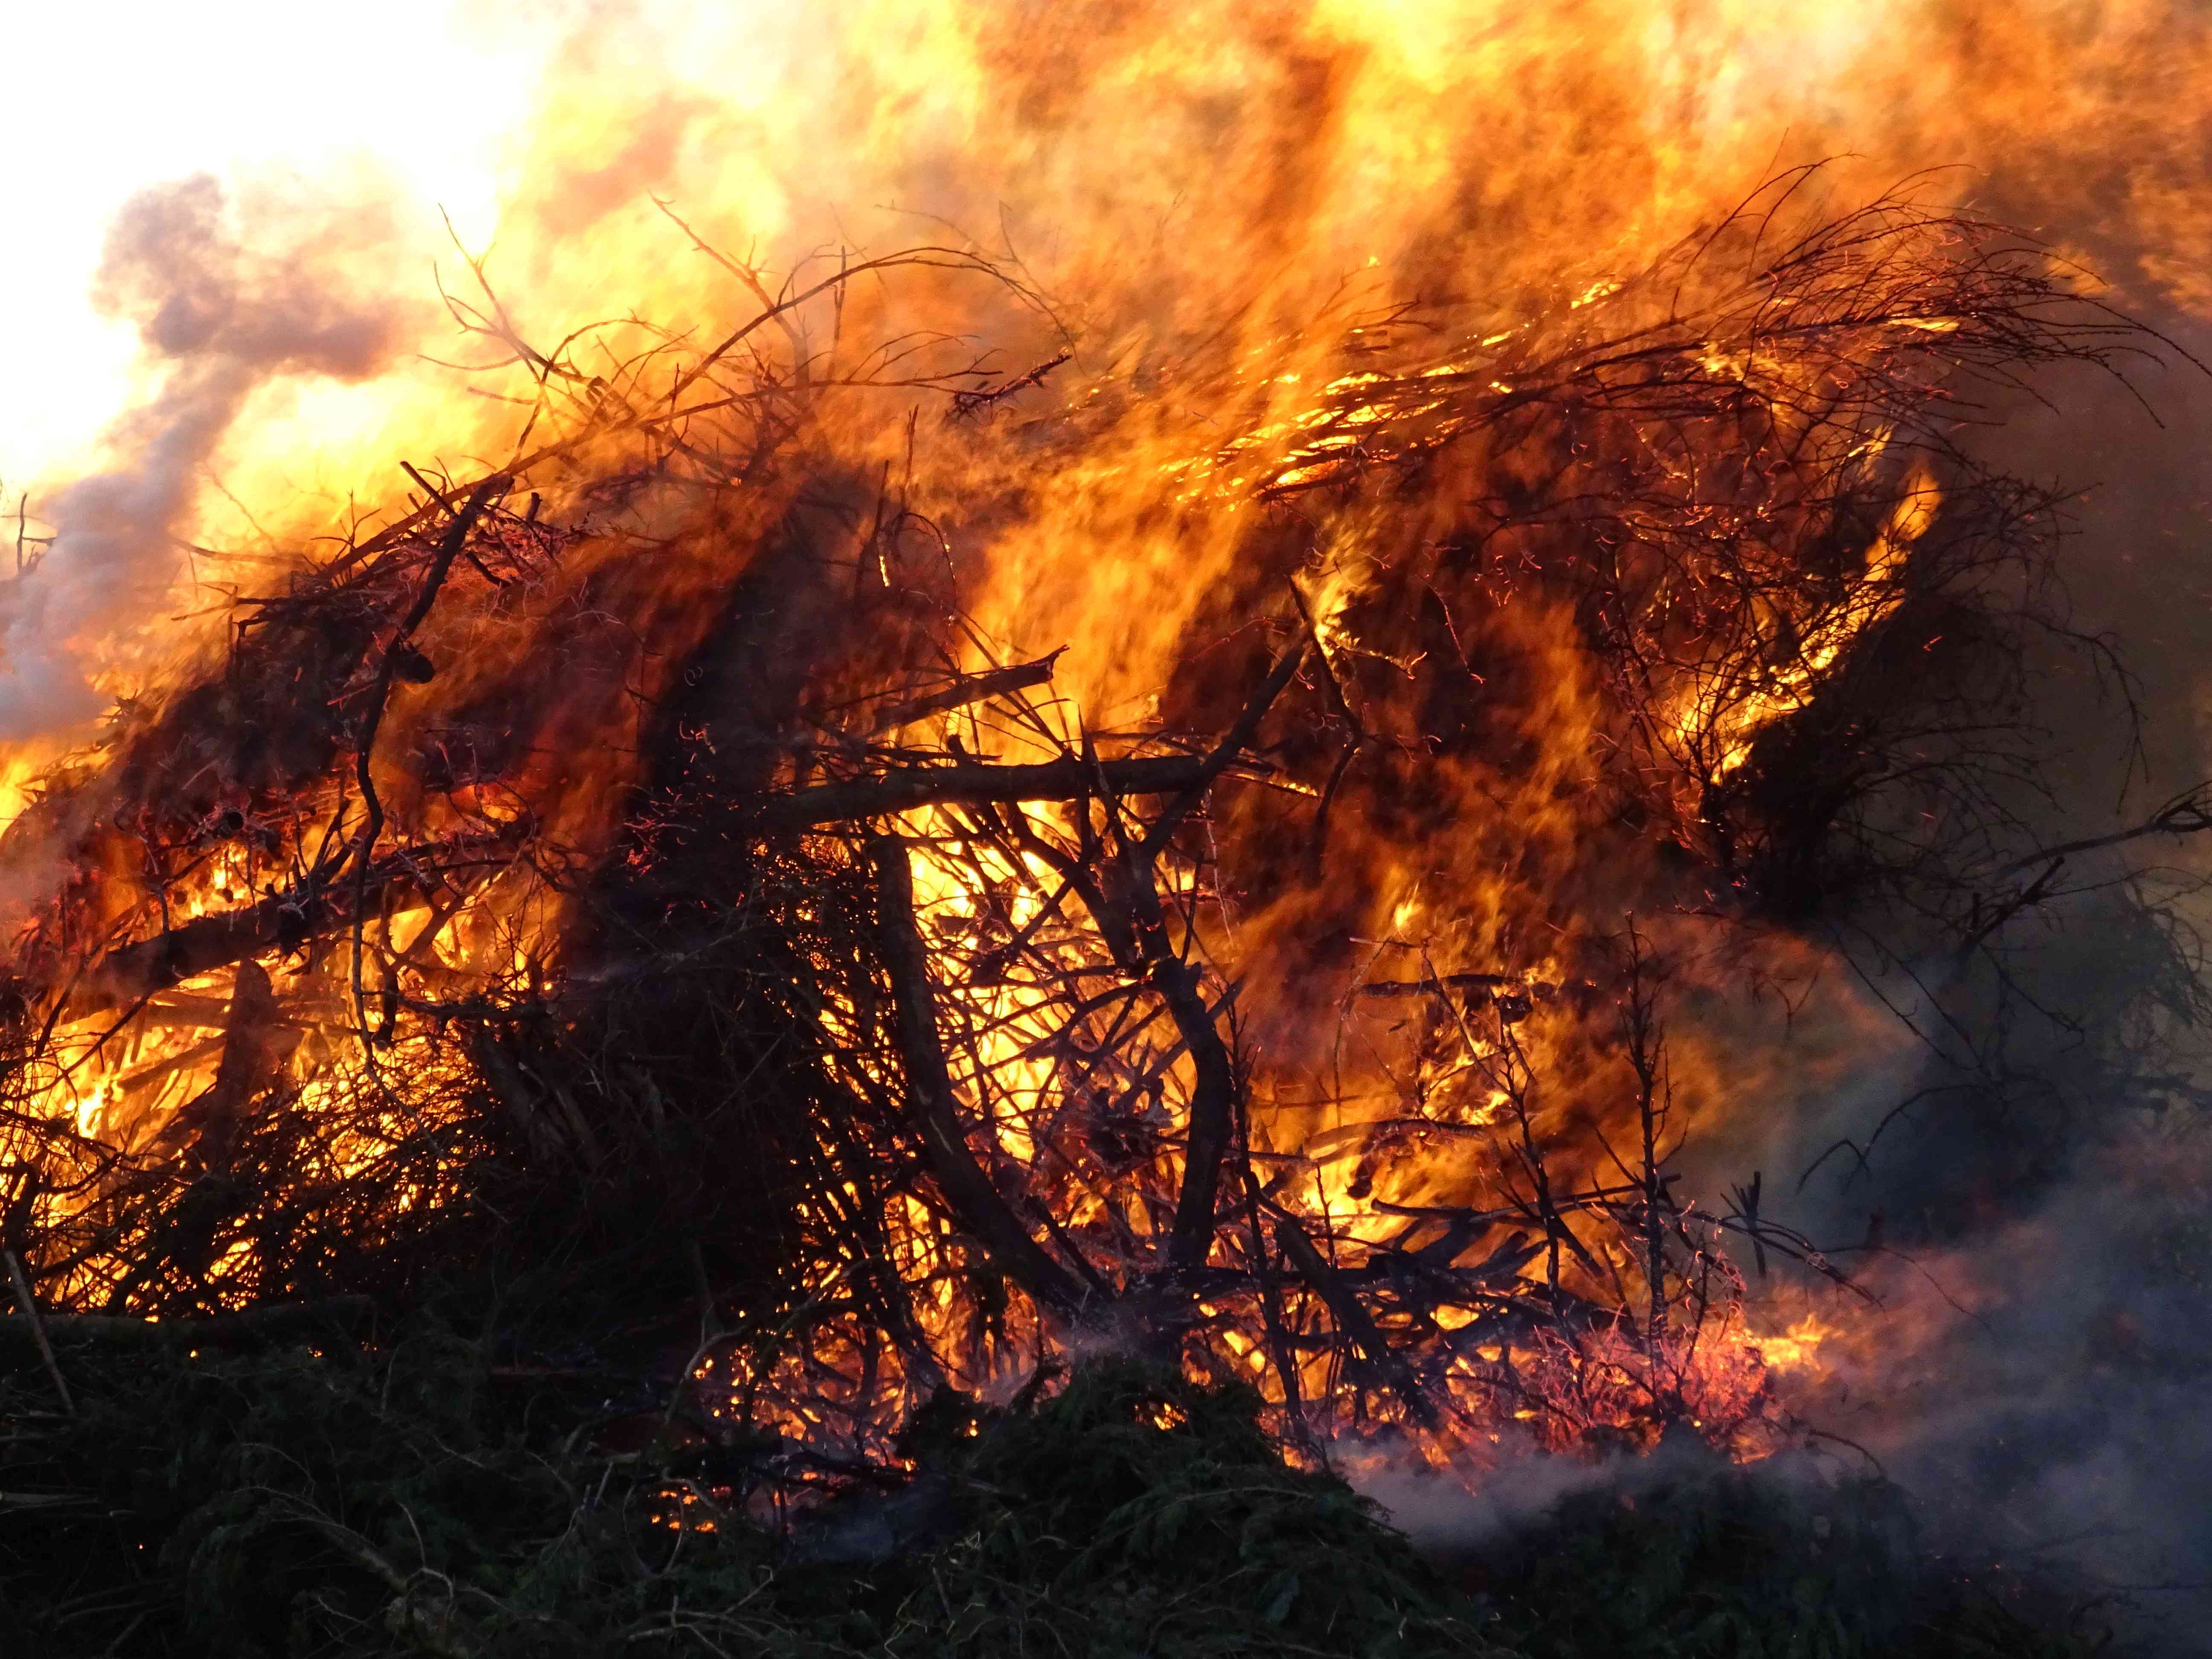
x: 132, y: 972
x: 283, y: 921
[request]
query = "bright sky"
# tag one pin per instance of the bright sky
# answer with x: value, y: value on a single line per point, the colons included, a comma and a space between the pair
x: 105, y: 97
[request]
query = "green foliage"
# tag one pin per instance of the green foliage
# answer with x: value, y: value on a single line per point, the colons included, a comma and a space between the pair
x: 1136, y: 1515
x: 408, y: 1502
x: 1690, y: 1559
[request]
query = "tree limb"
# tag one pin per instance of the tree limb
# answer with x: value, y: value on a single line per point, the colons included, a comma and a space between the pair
x: 975, y: 783
x: 1353, y: 1320
x: 981, y: 1210
x: 254, y: 1325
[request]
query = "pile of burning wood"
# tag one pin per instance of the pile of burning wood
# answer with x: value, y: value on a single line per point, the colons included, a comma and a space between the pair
x: 668, y: 854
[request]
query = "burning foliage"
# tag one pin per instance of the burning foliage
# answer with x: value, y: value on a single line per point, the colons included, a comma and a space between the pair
x: 669, y: 871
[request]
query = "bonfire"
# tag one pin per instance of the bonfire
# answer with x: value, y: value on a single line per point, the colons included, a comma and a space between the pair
x: 703, y: 896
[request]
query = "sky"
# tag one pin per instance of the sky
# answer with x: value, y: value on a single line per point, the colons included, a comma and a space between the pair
x: 106, y: 98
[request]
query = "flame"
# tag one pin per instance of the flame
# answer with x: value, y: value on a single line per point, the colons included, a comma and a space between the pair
x: 1242, y: 346
x: 1797, y: 1348
x: 1720, y: 715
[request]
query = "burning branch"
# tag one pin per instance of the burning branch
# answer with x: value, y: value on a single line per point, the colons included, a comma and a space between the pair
x: 968, y: 1190
x: 968, y: 403
x: 975, y: 783
x: 283, y: 922
x: 1353, y: 1320
x: 965, y: 692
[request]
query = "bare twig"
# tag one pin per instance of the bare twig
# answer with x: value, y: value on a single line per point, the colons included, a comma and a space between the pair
x: 28, y: 1308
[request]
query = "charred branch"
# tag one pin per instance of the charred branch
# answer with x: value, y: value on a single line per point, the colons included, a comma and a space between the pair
x: 1353, y: 1320
x: 282, y: 922
x: 964, y: 692
x: 29, y: 1317
x: 982, y: 1211
x: 209, y: 1124
x: 975, y: 783
x: 275, y: 1322
x: 967, y: 404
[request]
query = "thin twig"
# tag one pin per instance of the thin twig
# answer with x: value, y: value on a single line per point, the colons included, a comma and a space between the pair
x: 29, y: 1306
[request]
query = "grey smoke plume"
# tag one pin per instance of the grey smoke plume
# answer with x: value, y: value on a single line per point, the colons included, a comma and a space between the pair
x: 2058, y: 1419
x: 224, y: 318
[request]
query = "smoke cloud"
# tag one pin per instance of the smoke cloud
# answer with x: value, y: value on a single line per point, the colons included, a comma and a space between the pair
x: 225, y: 301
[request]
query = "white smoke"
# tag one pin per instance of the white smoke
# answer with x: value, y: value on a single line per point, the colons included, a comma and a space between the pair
x: 221, y: 320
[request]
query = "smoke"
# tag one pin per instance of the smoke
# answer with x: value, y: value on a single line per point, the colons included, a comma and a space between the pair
x: 1444, y: 1518
x: 225, y: 301
x: 2039, y: 1387
x: 2033, y: 1226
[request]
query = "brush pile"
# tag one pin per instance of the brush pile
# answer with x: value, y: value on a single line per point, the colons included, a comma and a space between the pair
x: 638, y: 909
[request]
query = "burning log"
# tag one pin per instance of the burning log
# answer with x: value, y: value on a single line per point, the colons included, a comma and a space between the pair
x: 132, y: 973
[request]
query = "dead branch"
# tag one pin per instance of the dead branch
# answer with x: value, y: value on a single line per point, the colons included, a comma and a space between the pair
x: 1486, y: 987
x: 975, y: 783
x: 400, y: 656
x: 27, y: 1306
x: 1224, y: 755
x: 2189, y: 813
x: 1353, y: 1320
x: 969, y: 689
x: 209, y: 1124
x: 968, y: 1190
x: 270, y: 1323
